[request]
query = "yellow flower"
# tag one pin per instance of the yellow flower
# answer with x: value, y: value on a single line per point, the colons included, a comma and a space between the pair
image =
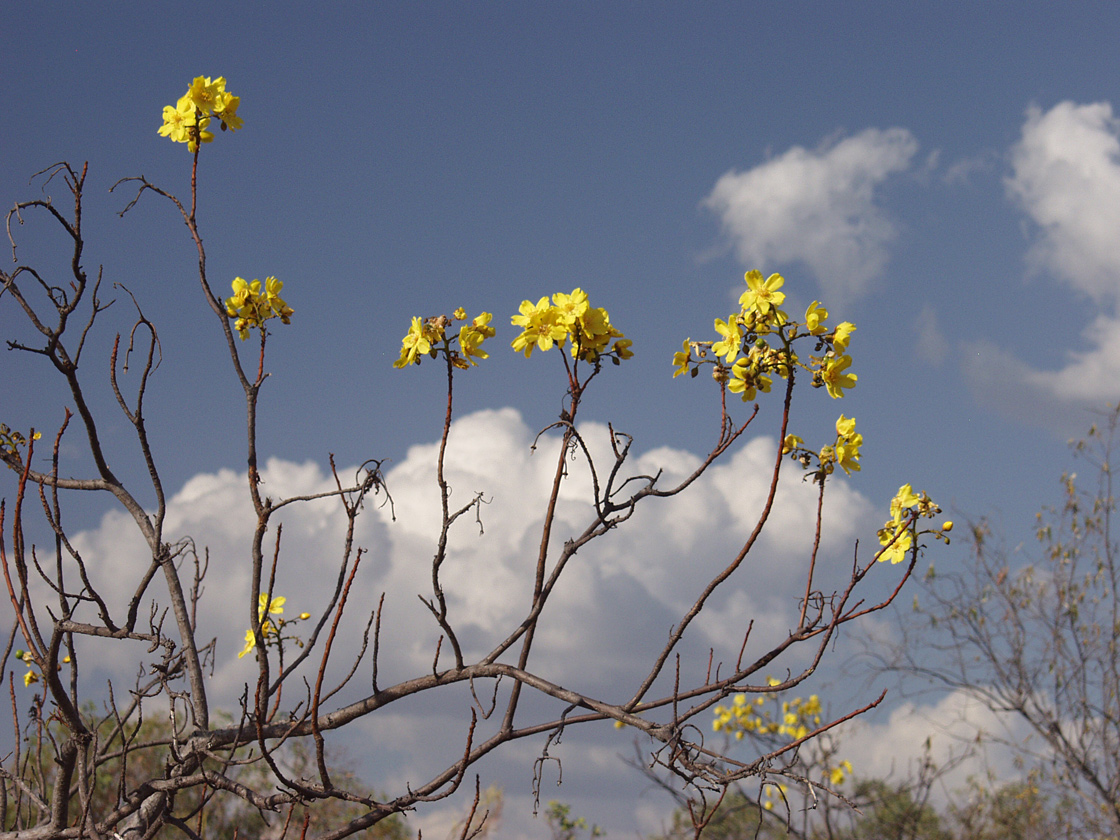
x: 265, y: 606
x: 591, y: 333
x: 843, y: 335
x: 226, y: 110
x: 897, y: 543
x: 569, y: 316
x: 188, y: 120
x: 540, y: 328
x: 251, y: 308
x: 848, y: 443
x: 30, y: 677
x: 761, y: 294
x: 837, y: 774
x: 834, y: 378
x: 815, y: 317
x: 273, y: 606
x: 791, y: 443
x: 178, y: 120
x: 570, y: 308
x: 904, y: 499
x: 415, y: 344
x: 732, y: 340
x: 746, y: 380
x: 847, y: 456
x: 948, y: 526
x: 472, y: 335
x: 682, y: 358
x: 460, y: 314
x: 250, y: 643
x: 206, y: 94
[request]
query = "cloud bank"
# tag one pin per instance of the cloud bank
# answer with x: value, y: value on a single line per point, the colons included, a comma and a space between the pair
x: 1066, y: 179
x: 817, y: 207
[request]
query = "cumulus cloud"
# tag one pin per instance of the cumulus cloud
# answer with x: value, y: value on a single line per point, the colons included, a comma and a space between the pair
x: 615, y: 607
x: 817, y: 207
x: 945, y: 731
x: 932, y: 346
x: 1066, y: 178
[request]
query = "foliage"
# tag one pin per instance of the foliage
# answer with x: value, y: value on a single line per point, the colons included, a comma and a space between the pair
x: 205, y: 768
x: 563, y: 826
x: 885, y: 810
x: 892, y: 813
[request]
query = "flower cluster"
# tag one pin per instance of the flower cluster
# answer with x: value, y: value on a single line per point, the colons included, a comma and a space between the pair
x: 27, y: 659
x: 187, y: 120
x: 797, y: 718
x: 844, y: 453
x: 569, y: 317
x: 743, y: 717
x: 267, y: 606
x: 757, y: 342
x: 428, y: 336
x: 897, y: 536
x: 252, y: 307
x: 32, y: 676
x: 11, y: 441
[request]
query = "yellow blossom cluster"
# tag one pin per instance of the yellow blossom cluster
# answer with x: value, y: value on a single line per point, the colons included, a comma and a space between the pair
x: 773, y: 791
x: 252, y: 306
x: 569, y: 317
x: 795, y: 720
x: 32, y: 676
x: 897, y: 536
x: 843, y: 453
x: 267, y: 606
x: 744, y: 357
x: 428, y: 336
x: 26, y: 658
x: 743, y: 717
x: 11, y: 441
x: 839, y: 772
x: 187, y: 120
x: 848, y: 441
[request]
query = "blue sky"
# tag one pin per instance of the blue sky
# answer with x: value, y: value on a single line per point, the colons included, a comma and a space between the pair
x: 945, y: 176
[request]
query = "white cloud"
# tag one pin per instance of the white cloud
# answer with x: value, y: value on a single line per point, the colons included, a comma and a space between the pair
x: 615, y: 607
x: 817, y: 207
x: 932, y: 345
x: 962, y: 171
x: 1066, y: 178
x: 1092, y: 376
x: 895, y: 747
